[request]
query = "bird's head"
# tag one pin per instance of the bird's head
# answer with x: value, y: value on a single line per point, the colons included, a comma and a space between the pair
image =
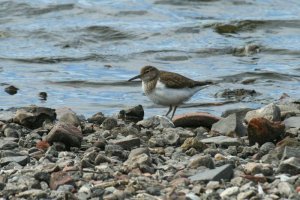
x: 147, y: 73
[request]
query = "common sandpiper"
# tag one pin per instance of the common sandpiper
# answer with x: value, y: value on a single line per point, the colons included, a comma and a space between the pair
x: 168, y: 88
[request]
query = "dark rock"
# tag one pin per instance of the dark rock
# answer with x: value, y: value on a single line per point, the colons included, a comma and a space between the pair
x: 222, y: 141
x: 109, y: 123
x: 127, y: 143
x: 66, y: 134
x: 134, y: 114
x: 22, y: 160
x: 270, y: 112
x: 11, y: 90
x: 42, y: 176
x: 223, y: 172
x: 34, y: 117
x: 261, y: 130
x: 290, y: 166
x: 59, y: 178
x: 230, y: 126
x: 115, y: 150
x: 97, y: 118
x: 195, y: 120
x: 43, y: 96
x: 199, y: 160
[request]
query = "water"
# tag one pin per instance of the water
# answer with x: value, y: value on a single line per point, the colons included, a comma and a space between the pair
x: 83, y: 52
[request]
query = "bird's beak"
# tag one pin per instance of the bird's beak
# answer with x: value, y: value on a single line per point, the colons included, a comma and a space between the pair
x: 136, y: 77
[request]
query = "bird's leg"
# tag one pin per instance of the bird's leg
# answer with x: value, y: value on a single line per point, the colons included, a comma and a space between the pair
x: 170, y: 109
x: 175, y: 107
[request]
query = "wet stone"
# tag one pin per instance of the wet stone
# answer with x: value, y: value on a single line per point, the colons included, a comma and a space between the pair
x: 134, y: 114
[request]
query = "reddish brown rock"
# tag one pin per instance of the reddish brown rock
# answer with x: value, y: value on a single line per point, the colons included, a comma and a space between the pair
x: 43, y: 145
x: 195, y: 120
x: 59, y: 178
x: 68, y: 134
x: 261, y: 130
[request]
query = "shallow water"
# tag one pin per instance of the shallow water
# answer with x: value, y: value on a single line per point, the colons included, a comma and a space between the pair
x: 82, y: 52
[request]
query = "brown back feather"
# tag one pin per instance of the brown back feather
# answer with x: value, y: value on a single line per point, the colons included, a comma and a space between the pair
x: 174, y: 80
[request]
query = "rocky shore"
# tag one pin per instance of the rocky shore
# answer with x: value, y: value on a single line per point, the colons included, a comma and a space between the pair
x: 243, y: 154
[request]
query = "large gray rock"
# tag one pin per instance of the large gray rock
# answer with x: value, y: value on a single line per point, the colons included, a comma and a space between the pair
x: 270, y: 112
x: 70, y: 118
x: 290, y: 166
x: 22, y: 160
x: 223, y: 172
x: 127, y: 142
x: 290, y: 152
x: 292, y: 122
x: 68, y: 134
x: 222, y: 141
x: 230, y: 126
x: 34, y: 117
x: 7, y: 144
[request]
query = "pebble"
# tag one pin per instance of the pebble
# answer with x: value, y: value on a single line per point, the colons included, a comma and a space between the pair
x: 148, y: 159
x: 270, y: 112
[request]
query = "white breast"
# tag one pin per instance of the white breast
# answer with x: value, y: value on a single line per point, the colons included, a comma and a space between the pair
x: 169, y: 96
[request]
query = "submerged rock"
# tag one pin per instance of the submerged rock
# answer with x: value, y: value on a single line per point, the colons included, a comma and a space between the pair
x: 11, y: 90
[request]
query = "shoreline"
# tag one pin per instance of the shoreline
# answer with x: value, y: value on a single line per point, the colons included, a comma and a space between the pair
x: 243, y: 154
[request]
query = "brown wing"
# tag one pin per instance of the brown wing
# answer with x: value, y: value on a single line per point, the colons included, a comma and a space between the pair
x: 174, y: 80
